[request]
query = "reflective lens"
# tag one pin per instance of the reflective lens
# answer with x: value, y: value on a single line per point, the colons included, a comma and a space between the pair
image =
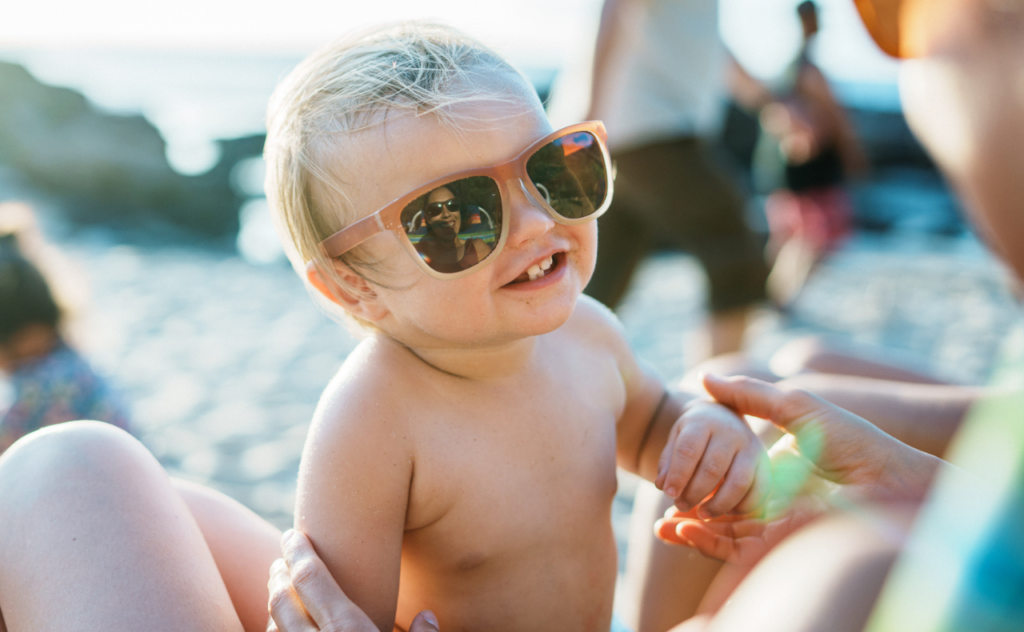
x: 569, y: 173
x: 455, y: 226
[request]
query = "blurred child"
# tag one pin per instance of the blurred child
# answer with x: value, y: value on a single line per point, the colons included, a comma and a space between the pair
x: 52, y: 383
x: 474, y: 434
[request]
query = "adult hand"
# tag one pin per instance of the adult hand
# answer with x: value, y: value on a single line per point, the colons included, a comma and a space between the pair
x: 305, y: 598
x: 862, y: 462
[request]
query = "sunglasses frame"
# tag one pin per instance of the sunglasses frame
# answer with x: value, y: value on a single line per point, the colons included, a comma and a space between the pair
x: 389, y: 217
x: 881, y: 19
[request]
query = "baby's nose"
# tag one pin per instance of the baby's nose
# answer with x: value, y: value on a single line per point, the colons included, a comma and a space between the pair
x: 528, y: 219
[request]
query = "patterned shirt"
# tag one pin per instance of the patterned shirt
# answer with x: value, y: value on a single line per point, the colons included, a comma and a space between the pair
x: 57, y: 388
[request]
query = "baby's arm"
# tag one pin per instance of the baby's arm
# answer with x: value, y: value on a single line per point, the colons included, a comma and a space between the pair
x: 689, y: 446
x: 352, y: 496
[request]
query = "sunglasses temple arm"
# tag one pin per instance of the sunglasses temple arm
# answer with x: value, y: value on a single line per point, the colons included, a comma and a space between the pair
x: 348, y: 238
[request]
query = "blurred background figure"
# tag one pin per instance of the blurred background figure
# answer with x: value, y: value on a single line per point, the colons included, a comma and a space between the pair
x: 51, y: 382
x: 807, y: 149
x: 658, y: 84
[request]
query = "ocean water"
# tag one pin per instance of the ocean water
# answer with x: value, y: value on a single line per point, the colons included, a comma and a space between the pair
x: 215, y: 83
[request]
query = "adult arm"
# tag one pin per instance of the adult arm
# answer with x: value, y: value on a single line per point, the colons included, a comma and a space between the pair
x: 612, y: 34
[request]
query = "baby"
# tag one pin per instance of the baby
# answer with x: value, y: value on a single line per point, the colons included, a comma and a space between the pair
x: 458, y: 458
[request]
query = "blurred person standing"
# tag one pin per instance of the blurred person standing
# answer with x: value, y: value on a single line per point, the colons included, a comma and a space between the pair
x: 806, y: 153
x: 52, y: 382
x: 658, y: 84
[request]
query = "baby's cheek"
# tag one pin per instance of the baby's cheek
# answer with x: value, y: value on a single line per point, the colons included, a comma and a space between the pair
x: 586, y: 254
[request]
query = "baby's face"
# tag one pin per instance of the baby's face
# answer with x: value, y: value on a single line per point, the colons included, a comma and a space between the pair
x: 498, y: 303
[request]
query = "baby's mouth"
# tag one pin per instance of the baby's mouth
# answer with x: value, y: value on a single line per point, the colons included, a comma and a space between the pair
x: 536, y: 271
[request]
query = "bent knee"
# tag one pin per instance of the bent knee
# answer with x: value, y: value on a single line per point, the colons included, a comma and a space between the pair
x: 728, y: 364
x: 75, y: 450
x: 800, y: 355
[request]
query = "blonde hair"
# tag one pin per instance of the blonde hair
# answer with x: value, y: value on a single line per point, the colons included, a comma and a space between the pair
x: 350, y: 86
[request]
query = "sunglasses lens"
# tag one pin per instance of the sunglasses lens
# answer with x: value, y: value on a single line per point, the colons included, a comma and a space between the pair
x: 455, y: 226
x: 569, y: 172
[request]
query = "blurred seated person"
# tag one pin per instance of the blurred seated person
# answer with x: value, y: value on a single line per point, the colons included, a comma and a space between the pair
x: 52, y: 383
x: 442, y: 245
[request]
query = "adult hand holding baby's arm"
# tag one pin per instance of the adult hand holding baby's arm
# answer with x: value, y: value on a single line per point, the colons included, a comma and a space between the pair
x: 713, y: 462
x: 305, y: 598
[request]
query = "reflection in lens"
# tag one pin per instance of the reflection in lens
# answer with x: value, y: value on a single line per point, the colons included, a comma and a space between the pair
x: 455, y: 226
x: 570, y: 173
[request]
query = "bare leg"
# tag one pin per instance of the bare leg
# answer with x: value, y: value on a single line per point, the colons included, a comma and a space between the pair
x: 96, y: 538
x: 664, y: 583
x: 726, y: 330
x: 825, y: 577
x: 243, y: 546
x: 814, y: 354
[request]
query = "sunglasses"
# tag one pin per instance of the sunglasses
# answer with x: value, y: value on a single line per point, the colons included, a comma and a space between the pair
x: 568, y: 173
x: 901, y: 28
x: 436, y: 208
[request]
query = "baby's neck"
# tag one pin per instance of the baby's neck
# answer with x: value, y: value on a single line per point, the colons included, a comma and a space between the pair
x: 481, y: 363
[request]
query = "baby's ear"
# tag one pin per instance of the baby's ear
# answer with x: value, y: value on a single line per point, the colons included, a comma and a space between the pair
x: 356, y: 296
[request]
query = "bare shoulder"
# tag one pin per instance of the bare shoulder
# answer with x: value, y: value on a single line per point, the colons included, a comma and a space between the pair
x: 365, y: 395
x: 597, y: 326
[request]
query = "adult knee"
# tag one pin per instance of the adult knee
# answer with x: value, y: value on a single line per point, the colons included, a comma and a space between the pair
x: 809, y: 353
x: 40, y: 463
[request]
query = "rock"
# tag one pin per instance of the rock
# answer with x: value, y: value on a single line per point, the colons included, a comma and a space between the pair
x: 109, y: 167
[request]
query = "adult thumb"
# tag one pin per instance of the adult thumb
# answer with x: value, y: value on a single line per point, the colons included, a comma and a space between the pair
x: 790, y: 410
x: 425, y: 621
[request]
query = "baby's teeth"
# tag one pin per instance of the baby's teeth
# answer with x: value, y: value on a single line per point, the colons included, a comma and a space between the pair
x: 546, y: 264
x: 534, y: 271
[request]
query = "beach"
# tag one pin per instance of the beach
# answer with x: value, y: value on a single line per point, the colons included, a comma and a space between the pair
x: 223, y: 361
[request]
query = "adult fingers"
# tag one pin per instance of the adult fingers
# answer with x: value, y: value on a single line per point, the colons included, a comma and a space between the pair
x: 742, y: 550
x: 425, y: 621
x: 286, y: 611
x: 320, y: 594
x: 791, y: 410
x: 706, y: 541
x: 686, y: 454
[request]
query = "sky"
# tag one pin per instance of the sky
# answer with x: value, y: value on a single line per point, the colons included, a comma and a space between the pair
x: 534, y: 32
x: 203, y: 69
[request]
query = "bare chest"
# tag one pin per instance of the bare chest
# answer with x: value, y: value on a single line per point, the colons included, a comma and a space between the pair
x: 512, y: 474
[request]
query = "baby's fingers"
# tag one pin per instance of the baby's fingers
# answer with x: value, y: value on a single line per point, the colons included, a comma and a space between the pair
x: 666, y: 456
x: 759, y: 488
x: 744, y: 489
x: 738, y: 482
x: 714, y: 464
x: 686, y: 452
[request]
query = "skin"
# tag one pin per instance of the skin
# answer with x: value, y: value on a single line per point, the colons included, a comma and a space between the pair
x: 805, y: 584
x: 967, y: 112
x: 526, y: 397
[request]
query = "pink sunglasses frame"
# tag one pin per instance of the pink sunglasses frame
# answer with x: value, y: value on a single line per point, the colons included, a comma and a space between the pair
x: 389, y: 217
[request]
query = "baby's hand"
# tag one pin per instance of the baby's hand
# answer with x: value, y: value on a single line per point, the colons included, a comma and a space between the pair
x: 711, y: 450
